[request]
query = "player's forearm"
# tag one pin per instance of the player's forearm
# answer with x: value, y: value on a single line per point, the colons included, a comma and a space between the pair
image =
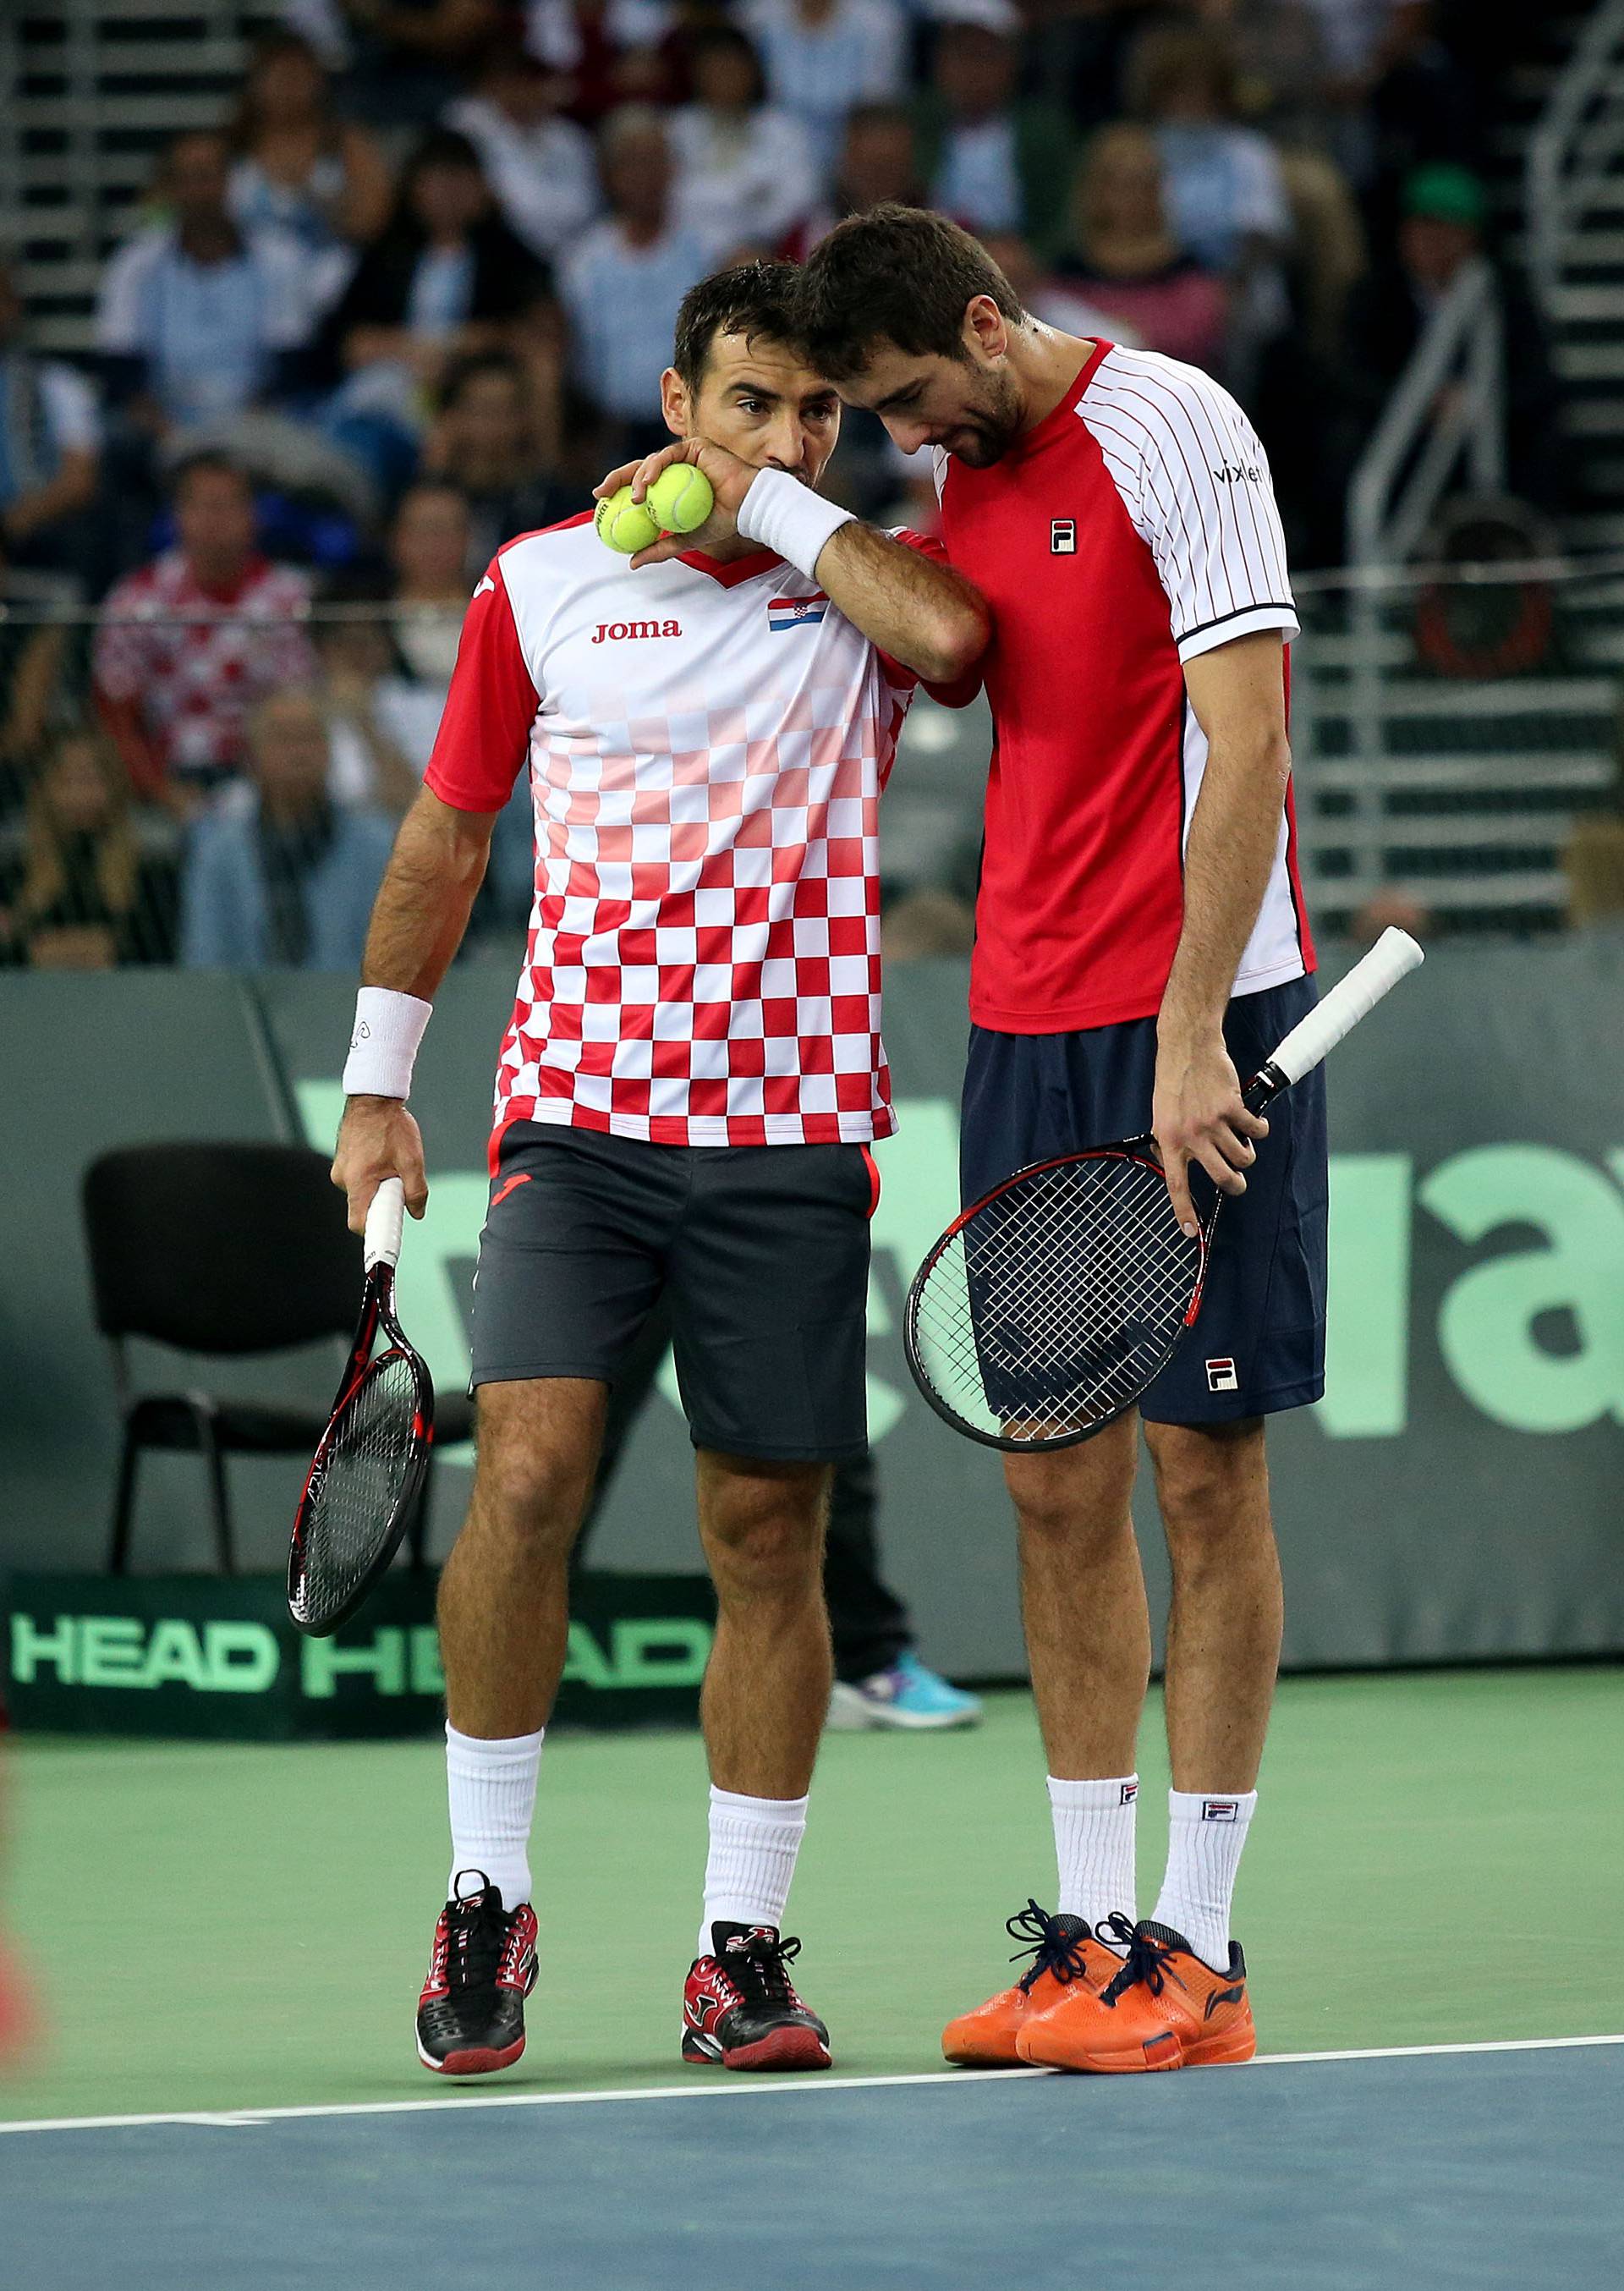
x: 1234, y: 835
x: 923, y: 613
x: 426, y: 898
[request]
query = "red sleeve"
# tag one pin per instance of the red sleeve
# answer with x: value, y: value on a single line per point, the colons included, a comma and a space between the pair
x: 950, y: 696
x: 485, y: 732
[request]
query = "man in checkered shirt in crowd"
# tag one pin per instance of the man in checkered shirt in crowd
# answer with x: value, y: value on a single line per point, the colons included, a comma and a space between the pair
x: 190, y: 645
x: 685, y: 1096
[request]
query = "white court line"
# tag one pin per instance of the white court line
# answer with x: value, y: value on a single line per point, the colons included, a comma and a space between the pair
x: 237, y: 2120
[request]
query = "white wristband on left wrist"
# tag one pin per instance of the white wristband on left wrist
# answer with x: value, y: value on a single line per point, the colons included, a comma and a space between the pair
x: 789, y: 519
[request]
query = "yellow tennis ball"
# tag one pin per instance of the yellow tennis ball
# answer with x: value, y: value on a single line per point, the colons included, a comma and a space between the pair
x: 682, y: 498
x: 625, y: 525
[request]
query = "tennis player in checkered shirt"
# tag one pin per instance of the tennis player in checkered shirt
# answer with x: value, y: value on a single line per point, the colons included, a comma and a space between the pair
x: 686, y: 1097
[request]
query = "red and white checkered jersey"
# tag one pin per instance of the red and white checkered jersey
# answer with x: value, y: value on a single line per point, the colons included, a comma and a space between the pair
x: 707, y: 744
x: 197, y: 660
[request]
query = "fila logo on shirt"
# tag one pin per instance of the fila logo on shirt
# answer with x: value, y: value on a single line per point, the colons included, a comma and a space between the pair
x: 1063, y: 536
x: 1221, y: 1376
x: 621, y: 631
x: 1218, y: 1809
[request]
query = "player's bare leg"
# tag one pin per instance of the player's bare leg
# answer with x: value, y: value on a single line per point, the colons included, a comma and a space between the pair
x: 1223, y: 1638
x: 1082, y: 1599
x: 504, y: 1594
x: 767, y: 1687
x: 504, y: 1625
x: 766, y: 1693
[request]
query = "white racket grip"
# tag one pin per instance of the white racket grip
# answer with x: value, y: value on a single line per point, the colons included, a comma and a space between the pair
x: 384, y: 1220
x: 1392, y: 958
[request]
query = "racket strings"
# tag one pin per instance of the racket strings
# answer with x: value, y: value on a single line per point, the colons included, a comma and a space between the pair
x: 1050, y: 1310
x: 369, y: 1456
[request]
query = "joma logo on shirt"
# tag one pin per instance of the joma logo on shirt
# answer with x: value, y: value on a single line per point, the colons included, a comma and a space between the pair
x: 618, y: 632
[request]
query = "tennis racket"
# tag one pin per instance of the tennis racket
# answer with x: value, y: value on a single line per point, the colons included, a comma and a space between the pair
x: 368, y: 1470
x: 1048, y: 1307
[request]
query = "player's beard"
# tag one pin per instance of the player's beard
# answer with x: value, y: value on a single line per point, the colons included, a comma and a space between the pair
x: 990, y: 425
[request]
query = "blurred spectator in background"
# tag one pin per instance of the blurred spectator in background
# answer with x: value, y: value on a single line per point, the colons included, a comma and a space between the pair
x: 539, y: 166
x: 198, y: 318
x: 406, y: 56
x: 1223, y: 185
x: 431, y: 585
x: 1444, y: 212
x: 923, y: 924
x: 1125, y: 259
x: 492, y: 440
x: 622, y: 284
x: 610, y: 51
x: 1055, y: 297
x: 879, y: 160
x: 189, y: 642
x: 80, y: 892
x: 376, y: 753
x: 823, y: 56
x: 49, y: 449
x: 745, y: 171
x: 995, y: 160
x: 446, y: 277
x: 301, y: 168
x: 287, y: 879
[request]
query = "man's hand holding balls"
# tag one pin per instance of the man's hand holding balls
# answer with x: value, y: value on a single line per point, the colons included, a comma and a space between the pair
x: 685, y: 496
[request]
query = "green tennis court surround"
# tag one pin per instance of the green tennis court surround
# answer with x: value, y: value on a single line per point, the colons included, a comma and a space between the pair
x: 1423, y: 1849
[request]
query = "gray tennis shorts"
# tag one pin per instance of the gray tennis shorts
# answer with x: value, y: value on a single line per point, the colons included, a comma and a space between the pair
x: 761, y: 1252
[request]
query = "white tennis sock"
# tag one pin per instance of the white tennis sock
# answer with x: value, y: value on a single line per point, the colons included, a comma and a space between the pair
x: 491, y: 1789
x: 1206, y: 1830
x: 753, y: 1844
x: 1094, y: 1846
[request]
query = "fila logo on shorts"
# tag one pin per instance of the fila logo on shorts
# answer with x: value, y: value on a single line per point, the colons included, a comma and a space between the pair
x: 1221, y: 1376
x: 1063, y: 536
x: 1218, y: 1809
x: 796, y: 612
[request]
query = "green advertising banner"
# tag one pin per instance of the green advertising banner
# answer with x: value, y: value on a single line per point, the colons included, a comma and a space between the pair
x: 1456, y: 1495
x: 201, y: 1655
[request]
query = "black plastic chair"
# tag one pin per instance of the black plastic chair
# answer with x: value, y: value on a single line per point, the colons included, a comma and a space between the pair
x: 225, y: 1249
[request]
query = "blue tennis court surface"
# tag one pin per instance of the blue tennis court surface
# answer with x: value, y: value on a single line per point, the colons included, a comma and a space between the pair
x: 1479, y: 2169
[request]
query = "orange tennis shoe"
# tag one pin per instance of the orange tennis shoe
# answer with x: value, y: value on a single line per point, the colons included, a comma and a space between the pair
x: 1065, y: 1957
x: 1164, y: 2009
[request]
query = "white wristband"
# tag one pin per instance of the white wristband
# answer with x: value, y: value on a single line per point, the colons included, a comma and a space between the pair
x: 388, y: 1028
x: 789, y: 519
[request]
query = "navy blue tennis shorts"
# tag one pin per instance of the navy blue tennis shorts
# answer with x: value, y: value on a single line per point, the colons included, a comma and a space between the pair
x: 1259, y: 1344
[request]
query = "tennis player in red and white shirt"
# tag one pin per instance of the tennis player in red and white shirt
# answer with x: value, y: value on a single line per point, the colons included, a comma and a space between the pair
x: 1141, y: 947
x: 685, y: 1100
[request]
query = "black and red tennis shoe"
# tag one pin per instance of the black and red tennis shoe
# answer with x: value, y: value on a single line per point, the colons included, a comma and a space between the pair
x: 740, y: 2009
x: 470, y: 2016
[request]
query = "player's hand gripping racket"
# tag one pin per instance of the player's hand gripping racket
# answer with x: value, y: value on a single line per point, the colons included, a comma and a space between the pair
x: 1049, y: 1306
x: 369, y: 1466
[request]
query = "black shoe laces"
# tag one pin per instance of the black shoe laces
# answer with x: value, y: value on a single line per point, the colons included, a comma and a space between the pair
x: 1146, y: 1959
x: 475, y: 1939
x: 1050, y: 1950
x: 757, y: 1965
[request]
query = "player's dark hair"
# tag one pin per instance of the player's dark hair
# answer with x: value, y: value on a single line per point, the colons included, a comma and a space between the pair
x: 756, y: 300
x: 894, y: 274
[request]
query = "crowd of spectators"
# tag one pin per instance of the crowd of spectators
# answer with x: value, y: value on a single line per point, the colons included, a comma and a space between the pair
x: 416, y: 290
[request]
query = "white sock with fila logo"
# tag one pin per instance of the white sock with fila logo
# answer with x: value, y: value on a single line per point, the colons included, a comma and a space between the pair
x: 1206, y: 1831
x: 1094, y: 1834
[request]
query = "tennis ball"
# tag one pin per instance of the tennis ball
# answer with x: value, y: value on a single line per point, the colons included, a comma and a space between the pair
x: 682, y: 498
x: 626, y: 524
